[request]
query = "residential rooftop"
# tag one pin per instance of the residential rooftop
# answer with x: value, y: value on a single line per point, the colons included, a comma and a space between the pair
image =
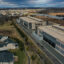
x: 6, y: 56
x: 4, y: 44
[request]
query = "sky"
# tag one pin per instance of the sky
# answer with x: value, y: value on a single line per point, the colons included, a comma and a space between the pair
x: 31, y: 3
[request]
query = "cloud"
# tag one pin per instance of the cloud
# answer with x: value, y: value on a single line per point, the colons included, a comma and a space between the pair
x: 38, y: 1
x: 2, y: 3
x: 56, y: 4
x: 46, y: 3
x: 7, y: 4
x: 31, y: 3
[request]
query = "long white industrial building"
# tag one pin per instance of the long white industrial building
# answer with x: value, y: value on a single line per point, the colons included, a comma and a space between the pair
x: 32, y: 23
x: 54, y: 35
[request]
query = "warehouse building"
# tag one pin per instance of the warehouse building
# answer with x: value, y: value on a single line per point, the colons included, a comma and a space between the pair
x: 40, y: 20
x: 54, y: 35
x: 32, y: 23
x: 29, y: 23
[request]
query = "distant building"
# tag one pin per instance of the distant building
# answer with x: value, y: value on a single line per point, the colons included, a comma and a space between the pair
x: 49, y: 16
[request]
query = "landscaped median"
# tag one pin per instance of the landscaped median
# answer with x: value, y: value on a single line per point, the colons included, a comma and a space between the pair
x: 32, y: 46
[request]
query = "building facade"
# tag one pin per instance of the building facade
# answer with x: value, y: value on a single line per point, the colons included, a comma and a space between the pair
x: 53, y: 36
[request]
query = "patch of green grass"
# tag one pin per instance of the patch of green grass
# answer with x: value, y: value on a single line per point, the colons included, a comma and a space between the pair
x: 21, y: 56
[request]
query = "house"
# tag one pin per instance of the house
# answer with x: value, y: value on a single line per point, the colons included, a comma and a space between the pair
x: 6, y: 44
x: 6, y: 57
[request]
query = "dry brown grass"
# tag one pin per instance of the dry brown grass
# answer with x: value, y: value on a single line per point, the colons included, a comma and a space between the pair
x: 54, y: 14
x: 9, y: 30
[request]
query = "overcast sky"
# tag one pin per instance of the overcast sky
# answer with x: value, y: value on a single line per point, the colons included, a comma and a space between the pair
x: 31, y: 3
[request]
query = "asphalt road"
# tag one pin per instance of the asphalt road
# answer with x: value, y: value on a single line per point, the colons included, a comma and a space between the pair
x: 56, y: 57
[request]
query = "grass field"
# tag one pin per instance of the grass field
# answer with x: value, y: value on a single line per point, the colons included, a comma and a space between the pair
x: 21, y: 57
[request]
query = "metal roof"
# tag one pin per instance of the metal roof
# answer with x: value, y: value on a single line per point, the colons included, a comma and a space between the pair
x: 29, y: 20
x: 59, y: 27
x: 6, y: 56
x: 34, y: 18
x: 6, y: 42
x: 56, y: 33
